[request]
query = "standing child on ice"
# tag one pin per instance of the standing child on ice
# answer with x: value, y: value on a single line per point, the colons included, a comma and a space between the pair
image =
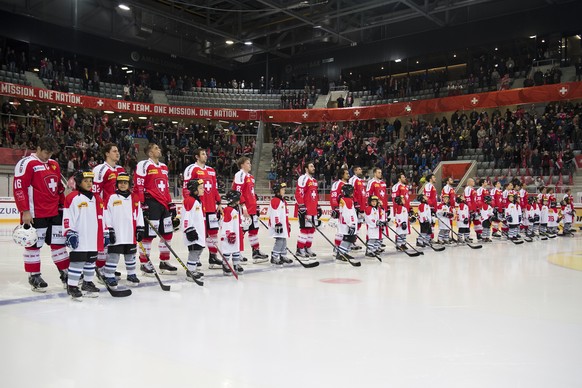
x: 279, y: 226
x: 193, y: 227
x: 231, y: 233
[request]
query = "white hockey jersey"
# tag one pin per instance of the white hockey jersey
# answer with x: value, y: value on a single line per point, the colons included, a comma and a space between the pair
x: 514, y: 211
x: 277, y: 214
x: 192, y: 215
x: 123, y: 214
x: 83, y: 213
x: 400, y: 218
x: 568, y: 213
x: 230, y: 223
x: 348, y: 217
x: 462, y: 215
x: 424, y: 213
x: 553, y: 217
x: 372, y: 216
x: 444, y: 221
x: 544, y: 214
x: 486, y: 212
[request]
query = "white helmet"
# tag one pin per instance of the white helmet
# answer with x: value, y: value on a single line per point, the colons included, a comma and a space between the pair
x: 25, y: 235
x: 246, y: 222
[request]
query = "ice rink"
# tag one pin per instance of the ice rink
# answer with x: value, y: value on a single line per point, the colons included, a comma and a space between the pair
x: 501, y: 316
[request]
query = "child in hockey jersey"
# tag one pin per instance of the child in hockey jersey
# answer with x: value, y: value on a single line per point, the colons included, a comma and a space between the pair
x: 444, y: 216
x: 84, y: 234
x: 426, y: 222
x: 568, y: 214
x: 544, y: 209
x: 553, y: 218
x: 231, y: 232
x: 512, y: 216
x: 348, y: 223
x: 529, y: 217
x: 401, y: 222
x: 279, y: 226
x: 125, y: 227
x: 464, y: 220
x: 486, y: 212
x: 193, y: 227
x: 535, y: 213
x: 374, y: 216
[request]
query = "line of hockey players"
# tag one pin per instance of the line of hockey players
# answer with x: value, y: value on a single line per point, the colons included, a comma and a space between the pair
x: 112, y: 214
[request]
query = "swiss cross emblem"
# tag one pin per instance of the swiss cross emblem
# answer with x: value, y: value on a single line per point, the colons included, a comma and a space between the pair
x: 52, y: 184
x: 305, y: 114
x: 100, y: 102
x: 382, y: 193
x: 207, y: 186
x: 474, y: 101
x: 161, y: 185
x: 563, y: 90
x: 408, y: 108
x: 357, y: 113
x: 313, y: 194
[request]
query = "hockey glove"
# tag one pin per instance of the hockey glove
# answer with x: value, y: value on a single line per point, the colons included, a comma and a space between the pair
x: 334, y: 214
x: 531, y: 219
x: 172, y: 210
x: 176, y: 223
x: 536, y: 218
x: 302, y: 210
x: 139, y: 233
x: 319, y: 212
x: 466, y: 221
x: 357, y: 207
x: 473, y: 216
x: 258, y: 210
x: 145, y: 209
x: 72, y: 239
x: 191, y: 234
x: 351, y: 230
x: 519, y: 219
x: 380, y: 223
x: 231, y: 237
x: 112, y: 238
x: 413, y: 219
x: 509, y: 219
x: 449, y: 215
x: 279, y: 228
x: 404, y: 226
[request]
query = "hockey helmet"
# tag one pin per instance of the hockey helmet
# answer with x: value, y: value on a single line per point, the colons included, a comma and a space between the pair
x: 372, y: 198
x: 461, y: 198
x: 553, y: 204
x: 278, y: 186
x: 445, y: 196
x: 398, y: 200
x: 347, y: 190
x: 420, y: 198
x: 25, y: 235
x: 567, y: 199
x: 232, y: 197
x: 487, y: 198
x: 82, y: 174
x: 531, y: 200
x: 123, y: 177
x: 545, y: 198
x: 193, y: 185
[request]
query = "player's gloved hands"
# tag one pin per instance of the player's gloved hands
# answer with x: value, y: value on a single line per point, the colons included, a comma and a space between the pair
x: 258, y: 211
x: 413, y: 218
x: 351, y: 230
x: 191, y: 234
x: 302, y: 210
x: 319, y: 212
x: 404, y: 226
x: 112, y: 238
x: 466, y: 221
x: 380, y: 223
x: 231, y: 237
x: 139, y: 233
x: 279, y: 228
x: 536, y: 218
x: 172, y: 210
x: 334, y: 213
x: 509, y: 219
x: 176, y: 223
x: 72, y: 239
x: 531, y: 219
x: 145, y: 209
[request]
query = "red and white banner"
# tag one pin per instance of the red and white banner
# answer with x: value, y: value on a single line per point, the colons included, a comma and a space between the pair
x: 536, y: 94
x: 120, y: 106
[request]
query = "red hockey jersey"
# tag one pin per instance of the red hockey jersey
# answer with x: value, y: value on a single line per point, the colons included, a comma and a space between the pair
x: 306, y: 194
x: 104, y: 183
x: 378, y: 188
x: 245, y: 184
x: 151, y: 179
x: 211, y: 197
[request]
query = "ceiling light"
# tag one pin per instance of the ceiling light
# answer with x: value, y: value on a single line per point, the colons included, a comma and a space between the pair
x: 532, y: 36
x: 35, y: 69
x: 417, y: 62
x: 124, y: 68
x: 382, y: 67
x: 229, y: 41
x: 124, y: 119
x: 317, y: 26
x: 129, y: 71
x: 454, y: 55
x: 248, y: 43
x: 543, y: 41
x: 495, y: 48
x: 124, y: 7
x: 109, y: 112
x: 398, y: 60
x: 142, y: 118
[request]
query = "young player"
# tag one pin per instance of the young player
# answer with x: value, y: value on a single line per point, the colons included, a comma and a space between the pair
x: 497, y: 204
x: 512, y: 216
x: 193, y: 227
x: 401, y: 222
x: 521, y: 193
x: 480, y: 193
x: 568, y: 214
x: 486, y: 213
x: 231, y: 233
x: 536, y: 215
x: 529, y: 217
x: 376, y: 186
x: 470, y: 197
x: 374, y: 217
x: 425, y: 218
x: 553, y: 218
x: 84, y: 234
x: 445, y: 214
x: 544, y: 211
x: 464, y: 220
x: 348, y: 222
x: 335, y: 196
x: 279, y: 226
x: 125, y: 227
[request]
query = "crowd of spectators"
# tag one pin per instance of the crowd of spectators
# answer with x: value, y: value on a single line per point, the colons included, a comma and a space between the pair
x: 511, y: 139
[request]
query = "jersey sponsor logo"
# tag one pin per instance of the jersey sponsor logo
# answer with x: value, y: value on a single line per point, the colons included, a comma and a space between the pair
x: 117, y: 202
x: 112, y: 176
x: 83, y: 204
x: 152, y: 172
x: 54, y: 166
x: 197, y: 208
x: 39, y: 168
x: 66, y: 223
x: 211, y: 173
x: 200, y: 172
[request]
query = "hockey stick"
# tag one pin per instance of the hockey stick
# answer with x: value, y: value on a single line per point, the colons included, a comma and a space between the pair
x: 305, y: 265
x: 367, y: 249
x: 415, y: 254
x: 117, y: 293
x: 406, y: 242
x: 163, y: 240
x: 227, y: 263
x: 438, y: 249
x: 344, y: 255
x: 162, y: 285
x: 472, y: 246
x: 506, y: 234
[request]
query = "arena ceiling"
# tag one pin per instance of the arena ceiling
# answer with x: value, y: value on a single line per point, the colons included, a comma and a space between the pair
x: 236, y: 31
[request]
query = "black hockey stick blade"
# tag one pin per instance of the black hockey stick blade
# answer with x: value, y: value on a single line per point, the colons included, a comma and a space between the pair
x: 118, y: 293
x: 197, y: 281
x: 353, y: 263
x: 472, y: 246
x: 366, y: 245
x: 163, y: 286
x: 436, y: 249
x: 528, y: 239
x: 305, y: 265
x: 413, y: 254
x: 517, y: 242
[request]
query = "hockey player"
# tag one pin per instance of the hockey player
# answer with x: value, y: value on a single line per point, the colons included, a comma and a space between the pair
x: 376, y: 186
x: 335, y: 196
x: 210, y: 201
x: 480, y: 193
x: 512, y: 216
x: 279, y: 226
x: 508, y: 189
x: 231, y: 233
x: 486, y: 214
x: 426, y: 221
x: 497, y: 204
x: 401, y: 223
x: 470, y: 197
x: 308, y: 211
x: 522, y: 201
x: 374, y: 217
x: 348, y: 223
x: 449, y: 190
x: 152, y: 188
x: 568, y: 214
x: 464, y: 220
x: 529, y: 216
x: 535, y: 212
x: 544, y: 210
x: 39, y: 197
x: 84, y: 234
x: 124, y: 228
x: 193, y: 227
x: 360, y: 202
x: 430, y: 193
x: 553, y: 219
x: 244, y: 182
x: 445, y: 214
x: 400, y: 189
x: 104, y: 185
